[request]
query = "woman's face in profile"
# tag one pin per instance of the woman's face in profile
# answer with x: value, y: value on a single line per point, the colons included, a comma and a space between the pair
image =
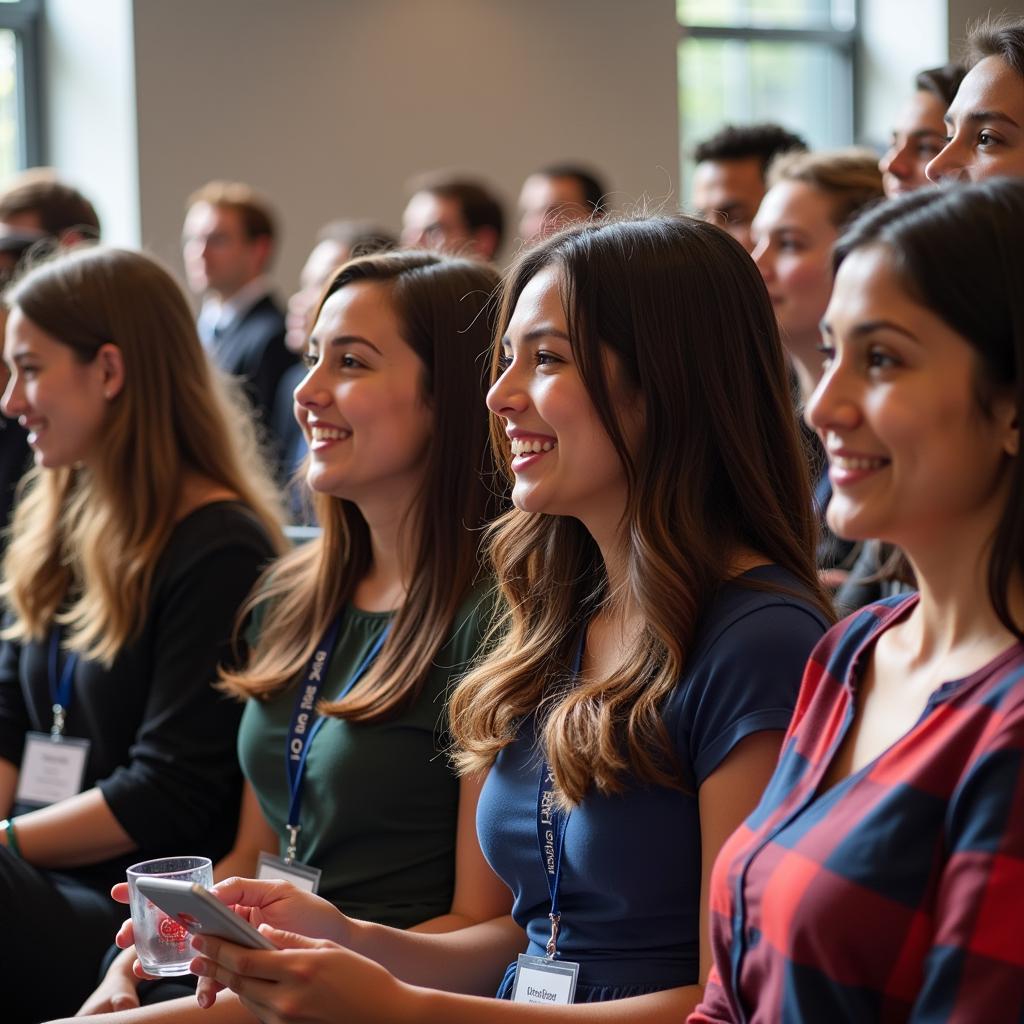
x: 916, y: 140
x: 913, y: 458
x: 361, y: 405
x: 793, y: 238
x: 61, y: 401
x: 563, y: 458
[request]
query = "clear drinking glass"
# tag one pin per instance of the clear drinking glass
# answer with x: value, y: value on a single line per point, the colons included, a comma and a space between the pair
x: 163, y: 945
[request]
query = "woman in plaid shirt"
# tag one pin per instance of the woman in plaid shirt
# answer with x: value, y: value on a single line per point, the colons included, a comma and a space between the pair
x: 882, y: 876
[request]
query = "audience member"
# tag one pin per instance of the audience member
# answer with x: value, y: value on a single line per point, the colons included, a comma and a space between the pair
x: 383, y: 816
x: 985, y: 121
x: 37, y: 203
x: 141, y: 530
x: 228, y: 243
x: 555, y: 197
x: 336, y: 243
x: 880, y: 873
x: 450, y: 214
x: 810, y: 197
x: 729, y: 179
x: 652, y: 678
x: 921, y: 131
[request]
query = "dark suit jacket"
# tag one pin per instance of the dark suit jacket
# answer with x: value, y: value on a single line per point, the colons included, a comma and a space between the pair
x: 252, y: 347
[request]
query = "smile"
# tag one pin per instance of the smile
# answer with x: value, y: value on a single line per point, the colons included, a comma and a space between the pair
x: 849, y: 463
x: 520, y: 446
x: 328, y: 434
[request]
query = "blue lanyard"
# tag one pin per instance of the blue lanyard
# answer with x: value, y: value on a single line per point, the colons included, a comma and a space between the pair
x: 552, y: 823
x: 62, y: 687
x: 303, y: 731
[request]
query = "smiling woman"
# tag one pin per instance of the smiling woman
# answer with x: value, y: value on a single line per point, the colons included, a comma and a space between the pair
x: 896, y: 806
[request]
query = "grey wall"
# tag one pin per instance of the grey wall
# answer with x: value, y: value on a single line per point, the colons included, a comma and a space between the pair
x: 330, y: 105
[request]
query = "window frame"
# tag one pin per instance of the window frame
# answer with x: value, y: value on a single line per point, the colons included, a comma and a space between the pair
x: 844, y: 42
x: 24, y: 19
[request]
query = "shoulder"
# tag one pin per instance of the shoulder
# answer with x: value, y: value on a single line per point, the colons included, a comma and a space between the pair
x: 220, y: 526
x: 266, y: 314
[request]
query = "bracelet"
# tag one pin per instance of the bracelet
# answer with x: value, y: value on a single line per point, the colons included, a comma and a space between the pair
x: 7, y: 825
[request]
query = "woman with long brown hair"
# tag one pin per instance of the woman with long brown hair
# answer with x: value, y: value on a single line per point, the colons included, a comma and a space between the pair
x: 138, y: 534
x: 365, y: 628
x: 661, y: 596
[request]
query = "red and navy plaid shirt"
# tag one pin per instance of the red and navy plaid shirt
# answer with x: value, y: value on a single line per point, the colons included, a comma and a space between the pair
x: 898, y: 893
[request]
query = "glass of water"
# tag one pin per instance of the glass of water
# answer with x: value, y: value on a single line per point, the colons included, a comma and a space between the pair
x: 164, y: 946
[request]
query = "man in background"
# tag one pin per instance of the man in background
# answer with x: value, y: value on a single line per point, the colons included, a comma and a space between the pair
x: 228, y: 245
x: 555, y: 197
x: 729, y: 181
x: 453, y: 215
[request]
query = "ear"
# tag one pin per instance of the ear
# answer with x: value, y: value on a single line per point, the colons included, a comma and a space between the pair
x: 110, y: 362
x: 1006, y: 415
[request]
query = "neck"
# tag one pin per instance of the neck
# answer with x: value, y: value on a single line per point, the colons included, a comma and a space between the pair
x: 393, y: 551
x: 806, y: 362
x: 610, y: 539
x: 955, y: 612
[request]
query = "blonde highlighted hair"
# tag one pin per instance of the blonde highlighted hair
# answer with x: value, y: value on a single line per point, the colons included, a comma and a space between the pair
x: 442, y: 304
x: 686, y: 315
x: 849, y: 177
x: 85, y: 540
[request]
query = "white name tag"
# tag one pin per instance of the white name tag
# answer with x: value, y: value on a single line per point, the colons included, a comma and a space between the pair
x: 302, y: 876
x: 544, y: 981
x: 51, y: 769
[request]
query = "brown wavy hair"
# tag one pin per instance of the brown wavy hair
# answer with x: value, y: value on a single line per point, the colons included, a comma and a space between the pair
x: 443, y: 305
x: 84, y: 542
x: 721, y: 469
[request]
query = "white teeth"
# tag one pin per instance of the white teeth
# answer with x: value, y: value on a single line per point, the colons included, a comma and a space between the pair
x: 845, y: 462
x: 520, y: 446
x: 328, y: 434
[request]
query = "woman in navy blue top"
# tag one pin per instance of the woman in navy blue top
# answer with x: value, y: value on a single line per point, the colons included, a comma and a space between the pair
x: 661, y: 595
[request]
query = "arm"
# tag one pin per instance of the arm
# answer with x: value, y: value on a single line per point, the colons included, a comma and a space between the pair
x: 386, y: 975
x: 479, y: 894
x: 8, y: 785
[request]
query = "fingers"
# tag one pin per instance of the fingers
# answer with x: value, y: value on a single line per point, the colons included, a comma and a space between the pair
x: 292, y: 940
x: 222, y: 960
x: 120, y: 892
x: 206, y: 992
x: 125, y: 936
x: 251, y: 892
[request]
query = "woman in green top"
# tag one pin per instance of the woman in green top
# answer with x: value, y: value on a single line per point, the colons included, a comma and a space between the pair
x: 387, y: 600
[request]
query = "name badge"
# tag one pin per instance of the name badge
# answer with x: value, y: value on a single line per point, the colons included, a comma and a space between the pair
x: 302, y: 876
x: 52, y: 769
x: 544, y: 981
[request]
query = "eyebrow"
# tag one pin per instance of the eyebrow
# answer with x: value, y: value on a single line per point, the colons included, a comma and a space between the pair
x: 979, y: 116
x: 870, y: 327
x: 537, y: 334
x: 347, y: 339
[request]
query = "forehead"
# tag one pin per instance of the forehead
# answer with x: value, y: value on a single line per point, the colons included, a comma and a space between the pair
x: 539, y: 302
x: 204, y: 218
x: 993, y: 86
x: 362, y: 307
x: 426, y: 208
x: 740, y: 177
x: 794, y: 204
x: 540, y: 190
x: 20, y: 331
x: 868, y: 287
x: 923, y: 112
x: 325, y: 257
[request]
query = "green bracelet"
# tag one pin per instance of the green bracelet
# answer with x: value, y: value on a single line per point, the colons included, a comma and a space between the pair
x: 12, y: 837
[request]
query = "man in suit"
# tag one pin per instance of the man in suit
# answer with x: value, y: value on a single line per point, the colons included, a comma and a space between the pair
x: 228, y: 243
x: 452, y: 214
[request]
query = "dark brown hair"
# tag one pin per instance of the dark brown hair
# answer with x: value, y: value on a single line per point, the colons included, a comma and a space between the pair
x: 941, y: 82
x: 58, y: 207
x: 998, y: 37
x: 685, y: 311
x: 479, y: 206
x: 442, y: 304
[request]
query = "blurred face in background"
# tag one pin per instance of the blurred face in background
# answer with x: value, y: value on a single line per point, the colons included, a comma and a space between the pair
x: 547, y: 204
x: 728, y: 193
x: 325, y: 258
x: 917, y: 139
x: 219, y: 256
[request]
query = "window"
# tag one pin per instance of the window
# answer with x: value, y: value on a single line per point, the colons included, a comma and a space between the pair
x: 20, y: 130
x: 787, y: 61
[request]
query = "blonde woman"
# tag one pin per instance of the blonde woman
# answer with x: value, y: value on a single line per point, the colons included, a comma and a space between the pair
x: 140, y: 530
x: 662, y: 596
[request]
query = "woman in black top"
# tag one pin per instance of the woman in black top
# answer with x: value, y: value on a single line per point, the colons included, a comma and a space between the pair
x: 142, y: 526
